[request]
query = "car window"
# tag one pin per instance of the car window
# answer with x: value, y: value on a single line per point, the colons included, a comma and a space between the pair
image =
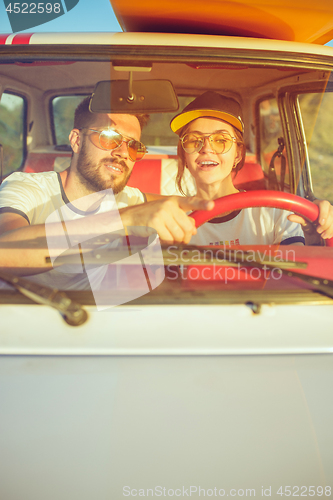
x: 12, y: 134
x: 63, y: 108
x: 317, y: 115
x: 158, y: 132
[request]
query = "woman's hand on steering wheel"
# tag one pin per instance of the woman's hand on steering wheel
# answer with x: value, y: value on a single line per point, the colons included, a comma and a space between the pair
x: 324, y: 228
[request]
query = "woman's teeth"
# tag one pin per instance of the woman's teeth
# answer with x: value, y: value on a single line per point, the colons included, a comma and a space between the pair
x: 207, y: 163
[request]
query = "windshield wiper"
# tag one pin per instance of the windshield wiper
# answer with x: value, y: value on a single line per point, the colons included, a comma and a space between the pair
x: 72, y: 312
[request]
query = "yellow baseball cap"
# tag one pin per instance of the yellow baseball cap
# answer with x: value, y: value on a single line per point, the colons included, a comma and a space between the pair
x: 210, y: 105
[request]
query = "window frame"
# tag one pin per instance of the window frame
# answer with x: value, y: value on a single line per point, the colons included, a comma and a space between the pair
x: 24, y: 129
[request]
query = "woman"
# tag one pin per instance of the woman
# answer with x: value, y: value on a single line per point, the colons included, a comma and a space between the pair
x: 212, y: 147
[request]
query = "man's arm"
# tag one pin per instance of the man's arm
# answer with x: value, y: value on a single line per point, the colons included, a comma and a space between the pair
x: 153, y: 197
x: 14, y: 256
x: 11, y: 221
x: 167, y: 216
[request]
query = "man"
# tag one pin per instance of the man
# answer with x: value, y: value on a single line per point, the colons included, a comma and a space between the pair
x: 28, y: 200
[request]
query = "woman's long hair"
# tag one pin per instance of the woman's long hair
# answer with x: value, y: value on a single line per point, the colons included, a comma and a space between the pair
x: 181, y: 156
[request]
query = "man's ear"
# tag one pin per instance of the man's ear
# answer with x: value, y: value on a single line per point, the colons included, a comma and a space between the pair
x: 74, y: 139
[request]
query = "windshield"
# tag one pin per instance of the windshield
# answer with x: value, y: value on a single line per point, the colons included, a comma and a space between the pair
x: 285, y: 150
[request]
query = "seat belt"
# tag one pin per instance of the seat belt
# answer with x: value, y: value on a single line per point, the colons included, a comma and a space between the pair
x: 272, y: 178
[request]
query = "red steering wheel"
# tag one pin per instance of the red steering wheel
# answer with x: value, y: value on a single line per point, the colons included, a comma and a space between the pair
x: 275, y: 199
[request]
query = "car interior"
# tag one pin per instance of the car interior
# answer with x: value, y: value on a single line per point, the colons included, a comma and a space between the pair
x: 50, y: 91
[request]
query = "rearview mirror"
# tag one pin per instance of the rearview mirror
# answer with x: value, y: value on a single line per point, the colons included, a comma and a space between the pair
x: 146, y: 96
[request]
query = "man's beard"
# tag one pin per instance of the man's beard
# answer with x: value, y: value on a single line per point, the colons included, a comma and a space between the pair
x: 93, y: 180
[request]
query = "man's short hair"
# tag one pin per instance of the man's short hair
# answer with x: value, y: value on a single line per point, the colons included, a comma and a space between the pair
x: 83, y: 118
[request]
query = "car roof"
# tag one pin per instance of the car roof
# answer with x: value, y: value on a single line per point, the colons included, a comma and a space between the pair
x: 164, y: 39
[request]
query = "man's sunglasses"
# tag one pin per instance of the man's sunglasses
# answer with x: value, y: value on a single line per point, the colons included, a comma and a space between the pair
x: 111, y: 139
x: 220, y: 143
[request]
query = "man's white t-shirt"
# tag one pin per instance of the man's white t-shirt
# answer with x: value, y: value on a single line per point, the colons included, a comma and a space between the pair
x: 38, y: 197
x: 250, y: 226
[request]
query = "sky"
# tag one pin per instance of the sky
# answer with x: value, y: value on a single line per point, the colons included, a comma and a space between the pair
x: 87, y: 15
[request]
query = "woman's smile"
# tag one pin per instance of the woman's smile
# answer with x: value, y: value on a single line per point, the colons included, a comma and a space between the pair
x: 207, y: 165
